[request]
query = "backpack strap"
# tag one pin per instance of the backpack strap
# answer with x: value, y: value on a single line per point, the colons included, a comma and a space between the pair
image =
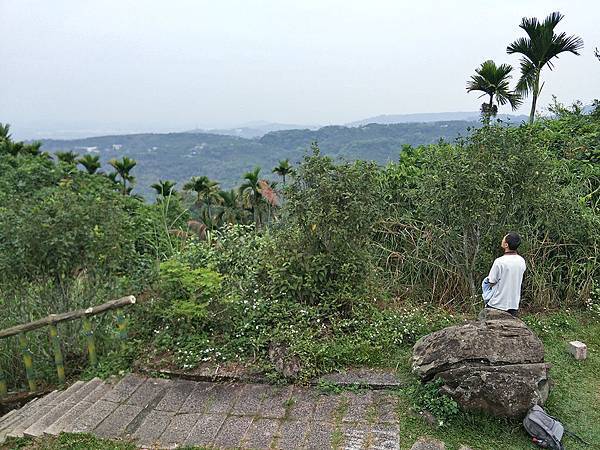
x: 576, y: 437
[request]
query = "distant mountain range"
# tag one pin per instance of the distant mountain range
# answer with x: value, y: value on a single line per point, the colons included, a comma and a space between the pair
x: 256, y: 129
x: 253, y: 130
x: 179, y: 156
x: 432, y: 117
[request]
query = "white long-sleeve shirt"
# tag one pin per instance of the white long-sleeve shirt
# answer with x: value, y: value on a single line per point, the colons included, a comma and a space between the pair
x: 507, y: 275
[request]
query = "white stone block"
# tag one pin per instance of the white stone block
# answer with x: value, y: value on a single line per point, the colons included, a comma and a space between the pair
x: 577, y: 349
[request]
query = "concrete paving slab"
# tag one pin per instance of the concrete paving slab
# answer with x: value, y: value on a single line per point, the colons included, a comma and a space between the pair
x: 261, y: 434
x: 232, y: 431
x: 148, y: 391
x: 249, y: 399
x: 359, y: 407
x: 276, y: 402
x: 178, y: 429
x: 385, y: 436
x: 124, y: 388
x: 176, y: 395
x: 115, y: 424
x: 197, y: 401
x: 292, y: 434
x: 92, y: 417
x: 223, y: 397
x: 152, y: 427
x: 320, y: 436
x: 205, y: 430
x: 302, y: 403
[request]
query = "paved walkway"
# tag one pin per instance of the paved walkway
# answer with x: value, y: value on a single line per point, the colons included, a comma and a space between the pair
x: 160, y: 413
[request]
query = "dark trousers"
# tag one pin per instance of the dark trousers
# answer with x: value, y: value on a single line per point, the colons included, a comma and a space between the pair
x: 512, y: 312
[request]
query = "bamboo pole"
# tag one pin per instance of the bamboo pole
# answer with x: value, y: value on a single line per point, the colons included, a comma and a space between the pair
x: 122, y: 326
x: 58, y: 356
x: 3, y: 388
x: 28, y: 361
x: 71, y: 315
x: 89, y: 337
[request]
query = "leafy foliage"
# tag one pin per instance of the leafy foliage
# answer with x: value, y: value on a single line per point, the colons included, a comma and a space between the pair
x: 323, y: 254
x: 493, y: 80
x: 464, y: 198
x: 538, y: 50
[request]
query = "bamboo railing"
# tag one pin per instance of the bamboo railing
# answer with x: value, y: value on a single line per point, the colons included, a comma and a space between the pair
x: 51, y: 322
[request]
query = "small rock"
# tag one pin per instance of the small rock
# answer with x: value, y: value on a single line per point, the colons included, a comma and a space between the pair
x: 577, y: 349
x: 464, y: 447
x: 429, y: 418
x: 428, y: 444
x: 285, y: 363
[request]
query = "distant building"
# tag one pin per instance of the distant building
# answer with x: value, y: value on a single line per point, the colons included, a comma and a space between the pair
x: 117, y: 146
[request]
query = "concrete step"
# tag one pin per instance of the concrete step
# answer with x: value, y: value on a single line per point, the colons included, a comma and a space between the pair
x: 62, y: 405
x: 24, y: 413
x: 42, y: 406
x: 7, y: 416
x: 98, y: 390
x: 111, y: 413
x: 15, y: 415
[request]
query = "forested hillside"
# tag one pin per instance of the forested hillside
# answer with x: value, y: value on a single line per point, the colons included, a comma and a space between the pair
x: 179, y: 156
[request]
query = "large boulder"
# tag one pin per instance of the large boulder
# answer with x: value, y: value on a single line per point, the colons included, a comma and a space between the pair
x: 495, y: 364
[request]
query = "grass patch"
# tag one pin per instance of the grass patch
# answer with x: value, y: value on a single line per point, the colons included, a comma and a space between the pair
x: 66, y: 441
x: 73, y: 441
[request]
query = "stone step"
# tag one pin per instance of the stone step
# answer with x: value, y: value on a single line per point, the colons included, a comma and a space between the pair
x: 7, y: 416
x: 99, y: 389
x: 54, y: 403
x: 112, y: 404
x: 34, y: 413
x: 24, y: 414
x: 15, y: 415
x: 63, y: 404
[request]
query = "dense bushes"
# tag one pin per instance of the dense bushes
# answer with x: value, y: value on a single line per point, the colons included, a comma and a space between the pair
x: 446, y: 221
x: 69, y: 240
x: 321, y: 251
x: 344, y: 274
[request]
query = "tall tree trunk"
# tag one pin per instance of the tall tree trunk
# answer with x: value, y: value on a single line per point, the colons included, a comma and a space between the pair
x: 536, y: 93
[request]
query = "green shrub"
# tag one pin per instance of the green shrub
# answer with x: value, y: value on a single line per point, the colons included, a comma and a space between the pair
x: 322, y: 251
x: 427, y: 397
x: 464, y: 198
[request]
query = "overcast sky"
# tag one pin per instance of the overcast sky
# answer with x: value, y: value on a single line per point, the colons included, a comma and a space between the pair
x: 146, y: 65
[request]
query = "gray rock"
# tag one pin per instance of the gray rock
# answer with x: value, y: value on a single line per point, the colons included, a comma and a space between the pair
x: 500, y: 340
x: 506, y: 391
x: 495, y: 364
x: 428, y: 444
x: 285, y: 362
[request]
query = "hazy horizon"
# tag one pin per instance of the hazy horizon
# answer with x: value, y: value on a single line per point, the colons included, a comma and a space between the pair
x: 115, y: 67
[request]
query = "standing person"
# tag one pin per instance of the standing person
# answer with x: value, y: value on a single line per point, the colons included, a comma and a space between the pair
x: 506, y: 276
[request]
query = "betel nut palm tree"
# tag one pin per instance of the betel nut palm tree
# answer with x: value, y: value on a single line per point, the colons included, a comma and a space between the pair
x: 250, y: 189
x: 283, y: 169
x: 538, y: 50
x: 206, y: 190
x: 493, y: 81
x: 123, y: 168
x: 91, y: 163
x: 164, y: 188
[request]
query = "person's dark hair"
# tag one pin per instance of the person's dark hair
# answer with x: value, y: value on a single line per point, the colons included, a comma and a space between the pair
x: 513, y: 240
